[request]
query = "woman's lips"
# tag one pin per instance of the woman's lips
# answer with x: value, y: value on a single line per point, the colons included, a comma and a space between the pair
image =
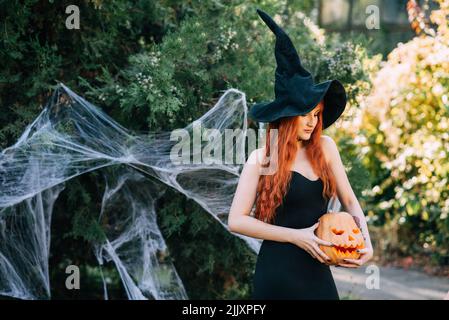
x: 308, y: 131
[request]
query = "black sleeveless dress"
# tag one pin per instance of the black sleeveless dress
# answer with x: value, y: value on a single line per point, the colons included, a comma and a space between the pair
x: 284, y: 270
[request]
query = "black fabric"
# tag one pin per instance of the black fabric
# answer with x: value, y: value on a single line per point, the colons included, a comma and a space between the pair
x: 284, y: 270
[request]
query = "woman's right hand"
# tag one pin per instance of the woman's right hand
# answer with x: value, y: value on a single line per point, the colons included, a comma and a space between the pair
x: 307, y: 240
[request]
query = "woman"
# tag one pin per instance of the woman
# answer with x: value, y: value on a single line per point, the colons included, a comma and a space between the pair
x: 309, y: 171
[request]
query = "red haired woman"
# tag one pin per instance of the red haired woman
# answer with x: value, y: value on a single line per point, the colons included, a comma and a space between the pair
x: 290, y: 264
x: 309, y: 172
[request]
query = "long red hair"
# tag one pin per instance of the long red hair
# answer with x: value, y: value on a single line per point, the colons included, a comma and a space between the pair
x: 272, y: 188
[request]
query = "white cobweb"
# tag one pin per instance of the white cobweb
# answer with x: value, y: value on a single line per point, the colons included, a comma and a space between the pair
x: 71, y: 137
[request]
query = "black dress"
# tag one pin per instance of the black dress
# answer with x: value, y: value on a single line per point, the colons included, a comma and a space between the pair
x: 284, y: 270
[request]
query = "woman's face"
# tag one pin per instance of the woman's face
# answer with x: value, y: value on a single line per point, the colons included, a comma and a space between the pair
x: 308, y: 122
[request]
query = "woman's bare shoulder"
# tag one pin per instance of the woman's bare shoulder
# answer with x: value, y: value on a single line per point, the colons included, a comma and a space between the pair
x: 256, y: 157
x: 330, y: 149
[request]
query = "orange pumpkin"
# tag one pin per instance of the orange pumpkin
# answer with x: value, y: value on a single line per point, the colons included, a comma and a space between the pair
x: 340, y: 229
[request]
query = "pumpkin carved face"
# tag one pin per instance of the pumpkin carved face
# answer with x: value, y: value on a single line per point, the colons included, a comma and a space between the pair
x: 340, y: 229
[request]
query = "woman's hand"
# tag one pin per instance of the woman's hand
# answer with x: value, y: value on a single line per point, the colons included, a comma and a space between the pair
x: 365, y: 255
x: 307, y: 240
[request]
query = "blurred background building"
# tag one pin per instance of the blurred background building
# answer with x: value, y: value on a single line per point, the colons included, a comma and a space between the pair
x: 350, y: 17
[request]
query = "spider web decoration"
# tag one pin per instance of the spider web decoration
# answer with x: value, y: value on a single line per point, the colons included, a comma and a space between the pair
x: 72, y: 137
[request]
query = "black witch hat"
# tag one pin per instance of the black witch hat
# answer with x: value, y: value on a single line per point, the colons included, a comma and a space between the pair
x: 295, y: 91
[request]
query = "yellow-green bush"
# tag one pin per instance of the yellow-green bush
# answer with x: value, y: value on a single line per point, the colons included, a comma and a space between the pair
x: 404, y: 136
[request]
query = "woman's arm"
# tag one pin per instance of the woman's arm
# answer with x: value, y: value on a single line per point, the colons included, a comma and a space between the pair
x: 239, y: 219
x: 344, y: 190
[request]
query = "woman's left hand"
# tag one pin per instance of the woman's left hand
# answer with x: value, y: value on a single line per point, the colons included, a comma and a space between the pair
x: 366, y: 255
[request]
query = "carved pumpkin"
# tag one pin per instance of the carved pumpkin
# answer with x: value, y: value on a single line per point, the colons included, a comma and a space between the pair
x: 340, y: 229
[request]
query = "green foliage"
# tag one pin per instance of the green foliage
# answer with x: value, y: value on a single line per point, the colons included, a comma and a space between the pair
x: 212, y: 263
x: 37, y: 50
x: 404, y: 141
x: 74, y: 229
x: 84, y: 213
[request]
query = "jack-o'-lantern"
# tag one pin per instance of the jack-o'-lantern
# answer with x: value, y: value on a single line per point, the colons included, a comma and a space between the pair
x: 340, y: 229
